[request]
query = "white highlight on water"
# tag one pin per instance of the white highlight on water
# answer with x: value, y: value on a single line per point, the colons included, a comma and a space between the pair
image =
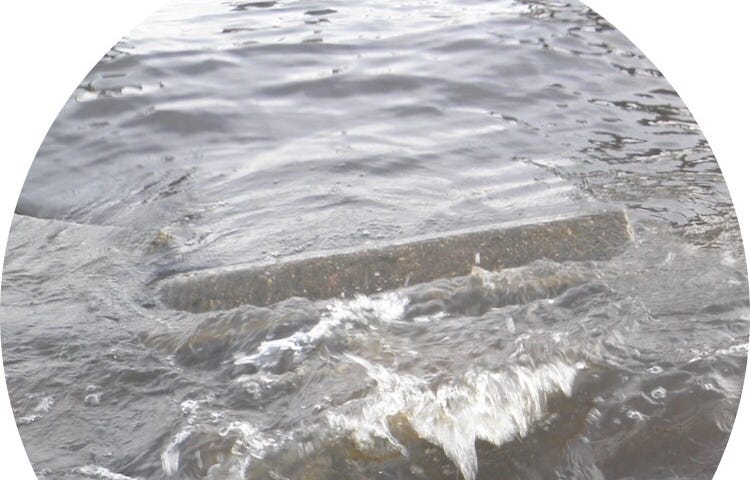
x: 492, y: 406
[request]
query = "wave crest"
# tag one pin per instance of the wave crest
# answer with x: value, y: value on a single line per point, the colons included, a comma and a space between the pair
x: 492, y: 406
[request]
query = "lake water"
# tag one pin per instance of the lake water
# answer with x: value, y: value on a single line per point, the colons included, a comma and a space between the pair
x: 224, y: 133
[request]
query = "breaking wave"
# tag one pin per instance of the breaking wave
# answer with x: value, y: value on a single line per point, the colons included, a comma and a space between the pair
x: 492, y: 406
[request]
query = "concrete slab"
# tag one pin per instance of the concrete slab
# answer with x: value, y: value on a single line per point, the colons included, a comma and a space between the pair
x: 596, y: 236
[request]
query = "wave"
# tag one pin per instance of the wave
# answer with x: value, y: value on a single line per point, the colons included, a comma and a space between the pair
x: 481, y: 405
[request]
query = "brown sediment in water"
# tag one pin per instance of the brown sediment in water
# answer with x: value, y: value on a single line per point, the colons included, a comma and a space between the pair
x: 597, y: 236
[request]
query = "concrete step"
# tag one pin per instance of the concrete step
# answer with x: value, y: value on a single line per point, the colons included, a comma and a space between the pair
x: 596, y: 236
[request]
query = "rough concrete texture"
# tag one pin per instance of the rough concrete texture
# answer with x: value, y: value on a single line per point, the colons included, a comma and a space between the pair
x: 596, y: 236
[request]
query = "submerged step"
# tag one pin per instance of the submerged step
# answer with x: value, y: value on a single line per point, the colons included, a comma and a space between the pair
x: 597, y: 236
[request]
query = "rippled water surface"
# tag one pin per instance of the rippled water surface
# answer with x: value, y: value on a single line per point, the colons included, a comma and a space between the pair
x: 223, y: 133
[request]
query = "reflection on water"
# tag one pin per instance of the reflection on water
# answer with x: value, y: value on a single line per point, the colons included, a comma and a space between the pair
x: 219, y: 133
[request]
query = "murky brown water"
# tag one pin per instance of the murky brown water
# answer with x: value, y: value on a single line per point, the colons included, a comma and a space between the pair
x: 221, y: 133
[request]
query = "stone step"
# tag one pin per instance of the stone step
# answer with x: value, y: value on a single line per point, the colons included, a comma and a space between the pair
x: 595, y: 236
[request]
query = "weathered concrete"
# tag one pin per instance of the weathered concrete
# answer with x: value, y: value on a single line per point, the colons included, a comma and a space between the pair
x: 596, y: 236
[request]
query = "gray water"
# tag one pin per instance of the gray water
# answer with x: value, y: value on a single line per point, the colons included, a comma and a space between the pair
x: 220, y: 133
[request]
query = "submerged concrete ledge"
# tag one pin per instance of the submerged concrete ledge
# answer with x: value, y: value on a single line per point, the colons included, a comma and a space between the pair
x: 597, y: 236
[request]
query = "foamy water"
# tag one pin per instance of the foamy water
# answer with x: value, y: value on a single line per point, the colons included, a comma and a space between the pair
x: 492, y: 406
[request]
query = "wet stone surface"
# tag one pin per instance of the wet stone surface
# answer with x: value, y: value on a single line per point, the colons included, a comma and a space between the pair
x: 590, y: 237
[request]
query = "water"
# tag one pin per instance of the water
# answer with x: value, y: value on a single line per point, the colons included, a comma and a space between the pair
x: 220, y: 133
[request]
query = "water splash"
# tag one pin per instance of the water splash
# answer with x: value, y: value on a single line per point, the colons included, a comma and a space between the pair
x: 362, y: 311
x: 249, y: 443
x: 170, y: 457
x: 218, y: 449
x: 481, y: 405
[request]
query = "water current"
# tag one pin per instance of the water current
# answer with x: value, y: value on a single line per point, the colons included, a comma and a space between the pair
x: 220, y: 133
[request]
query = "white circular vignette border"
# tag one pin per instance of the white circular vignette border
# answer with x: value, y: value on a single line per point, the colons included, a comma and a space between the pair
x: 47, y: 47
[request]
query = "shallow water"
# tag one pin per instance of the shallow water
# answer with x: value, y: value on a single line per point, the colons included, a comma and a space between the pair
x: 220, y: 133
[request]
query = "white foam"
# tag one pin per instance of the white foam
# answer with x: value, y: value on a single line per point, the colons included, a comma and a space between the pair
x: 45, y: 404
x: 254, y: 443
x: 28, y: 419
x: 170, y: 457
x: 93, y: 399
x: 189, y: 407
x: 636, y: 415
x: 492, y: 406
x: 659, y: 393
x: 737, y: 349
x: 250, y: 443
x: 95, y: 471
x: 361, y: 310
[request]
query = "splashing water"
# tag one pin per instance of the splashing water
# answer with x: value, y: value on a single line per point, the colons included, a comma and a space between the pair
x: 372, y: 123
x: 492, y: 406
x: 362, y: 310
